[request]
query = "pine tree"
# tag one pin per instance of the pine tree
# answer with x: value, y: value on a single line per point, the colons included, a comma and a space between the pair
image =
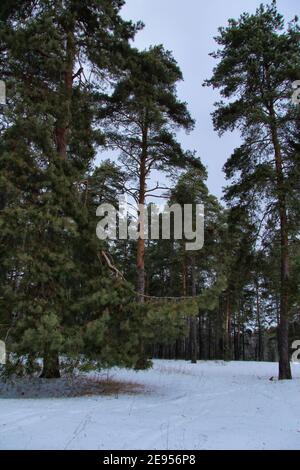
x: 256, y: 58
x: 146, y: 110
x: 55, y: 295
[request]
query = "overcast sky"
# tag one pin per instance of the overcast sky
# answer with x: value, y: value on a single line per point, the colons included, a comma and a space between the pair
x: 187, y: 28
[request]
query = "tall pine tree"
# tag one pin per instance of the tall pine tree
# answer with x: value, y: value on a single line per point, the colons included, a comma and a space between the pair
x: 55, y: 56
x: 255, y: 62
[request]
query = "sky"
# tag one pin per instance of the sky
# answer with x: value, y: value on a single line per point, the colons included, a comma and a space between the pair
x: 187, y: 28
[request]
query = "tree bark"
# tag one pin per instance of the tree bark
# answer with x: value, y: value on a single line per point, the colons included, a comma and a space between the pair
x: 227, y: 335
x: 184, y: 276
x: 201, y: 338
x: 243, y: 342
x: 283, y: 327
x: 50, y: 366
x: 238, y: 339
x: 140, y: 251
x: 63, y: 123
x: 51, y: 360
x: 260, y: 345
x: 193, y: 320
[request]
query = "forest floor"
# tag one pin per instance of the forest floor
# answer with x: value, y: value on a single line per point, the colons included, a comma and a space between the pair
x: 174, y: 405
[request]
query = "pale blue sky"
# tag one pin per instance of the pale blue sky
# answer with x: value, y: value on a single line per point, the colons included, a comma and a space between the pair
x: 187, y: 29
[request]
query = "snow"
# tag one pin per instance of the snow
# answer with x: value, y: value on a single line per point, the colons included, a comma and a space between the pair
x: 177, y: 405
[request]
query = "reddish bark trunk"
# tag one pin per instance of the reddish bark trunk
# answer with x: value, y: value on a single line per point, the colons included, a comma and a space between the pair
x: 140, y: 249
x: 283, y: 327
x: 51, y: 359
x: 140, y: 254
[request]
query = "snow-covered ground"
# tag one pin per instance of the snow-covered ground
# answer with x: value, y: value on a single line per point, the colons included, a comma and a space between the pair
x: 211, y: 405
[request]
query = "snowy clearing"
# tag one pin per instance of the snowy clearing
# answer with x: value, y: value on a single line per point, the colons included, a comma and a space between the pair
x: 175, y: 405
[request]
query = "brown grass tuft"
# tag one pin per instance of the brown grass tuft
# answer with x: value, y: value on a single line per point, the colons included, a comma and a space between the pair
x: 107, y: 386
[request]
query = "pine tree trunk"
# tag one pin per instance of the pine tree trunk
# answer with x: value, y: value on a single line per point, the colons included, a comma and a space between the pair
x: 184, y: 276
x: 140, y: 269
x: 209, y: 345
x: 63, y: 123
x: 238, y: 339
x: 140, y: 250
x: 243, y: 342
x: 234, y: 345
x: 260, y: 346
x: 227, y: 333
x: 193, y: 320
x: 50, y: 366
x: 51, y: 360
x: 193, y: 326
x: 220, y: 330
x: 200, y: 335
x: 283, y: 327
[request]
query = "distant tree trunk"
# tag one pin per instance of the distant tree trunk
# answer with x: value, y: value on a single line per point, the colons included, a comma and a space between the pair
x: 187, y: 341
x: 193, y: 338
x: 50, y: 366
x: 283, y: 327
x: 258, y: 319
x: 220, y: 330
x: 187, y: 352
x: 184, y: 276
x: 209, y: 337
x: 200, y: 334
x: 227, y: 333
x: 243, y: 342
x: 193, y: 320
x: 234, y: 338
x: 238, y: 337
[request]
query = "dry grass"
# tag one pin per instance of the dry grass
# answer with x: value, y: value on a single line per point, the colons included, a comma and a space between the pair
x: 69, y: 386
x: 95, y: 385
